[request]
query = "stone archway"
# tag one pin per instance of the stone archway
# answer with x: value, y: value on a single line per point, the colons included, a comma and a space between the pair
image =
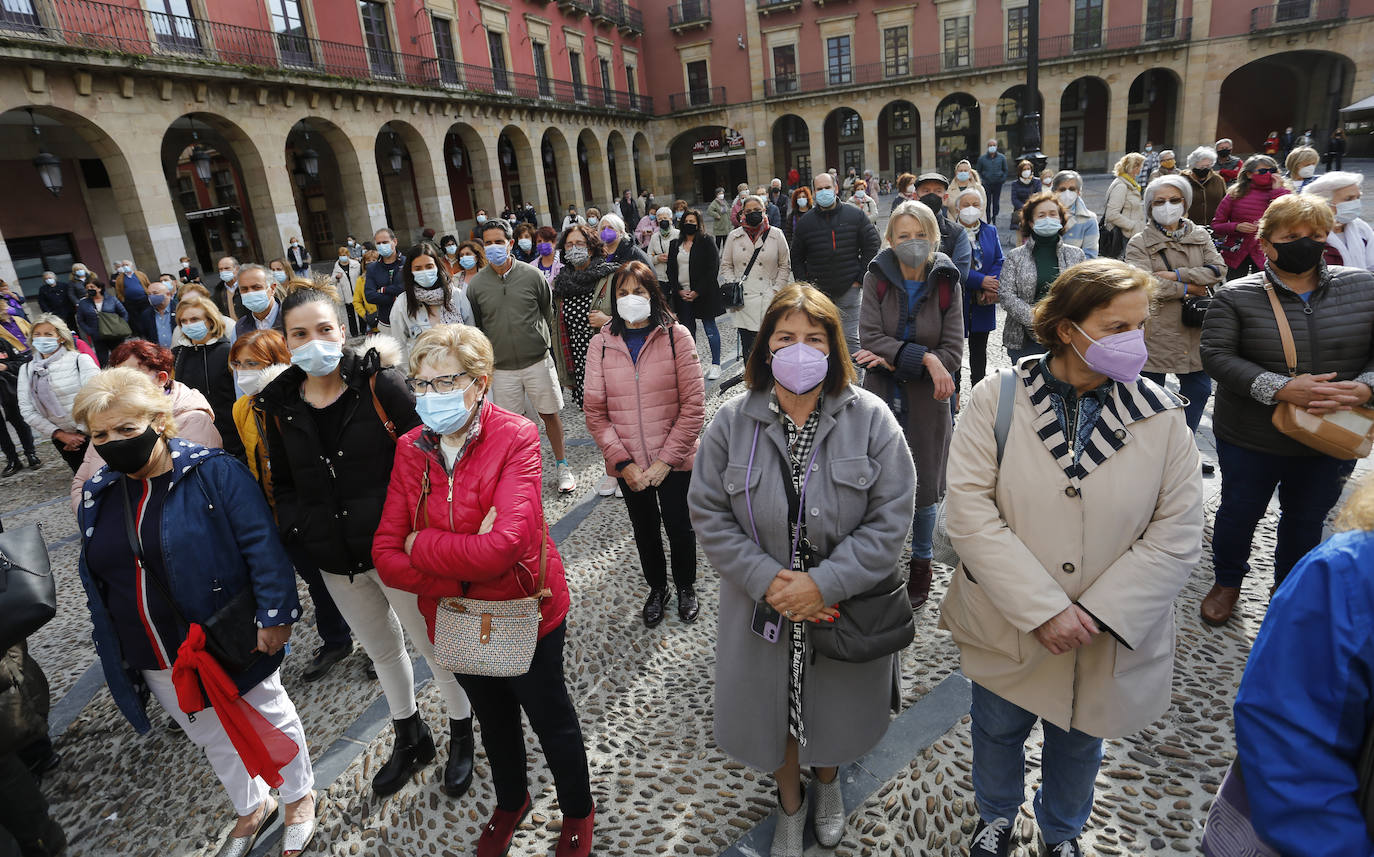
x: 331, y: 204
x: 899, y: 139
x: 958, y: 122
x: 1152, y: 108
x: 844, y: 141
x: 218, y: 185
x: 1299, y: 88
x: 792, y: 148
x: 467, y: 168
x: 559, y: 174
x: 1084, y: 117
x: 515, y: 157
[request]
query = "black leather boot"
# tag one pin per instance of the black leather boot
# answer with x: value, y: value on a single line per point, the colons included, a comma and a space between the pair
x: 413, y: 749
x: 458, y: 771
x: 918, y: 582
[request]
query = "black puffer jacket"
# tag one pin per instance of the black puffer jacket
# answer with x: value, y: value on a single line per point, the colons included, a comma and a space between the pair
x: 206, y: 368
x: 329, y: 498
x: 1333, y: 332
x: 831, y: 248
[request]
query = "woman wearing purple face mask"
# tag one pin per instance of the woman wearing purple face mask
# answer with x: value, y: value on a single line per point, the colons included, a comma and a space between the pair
x: 802, y: 496
x: 1074, y: 536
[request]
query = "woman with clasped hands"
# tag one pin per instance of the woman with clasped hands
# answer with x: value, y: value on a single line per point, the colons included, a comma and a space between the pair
x: 805, y: 446
x: 1072, y: 550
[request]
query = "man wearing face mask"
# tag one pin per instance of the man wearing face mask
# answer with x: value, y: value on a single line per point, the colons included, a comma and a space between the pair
x: 59, y: 298
x: 831, y: 248
x: 1227, y: 163
x: 383, y: 283
x: 992, y: 167
x: 1208, y: 185
x: 776, y: 196
x: 933, y: 190
x: 186, y: 272
x: 164, y: 320
x: 1330, y: 311
x: 226, y: 291
x: 260, y: 301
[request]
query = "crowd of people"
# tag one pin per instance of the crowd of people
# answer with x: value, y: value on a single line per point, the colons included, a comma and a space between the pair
x: 373, y: 426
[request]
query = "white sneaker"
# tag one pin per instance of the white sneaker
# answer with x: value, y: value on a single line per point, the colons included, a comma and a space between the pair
x: 618, y: 492
x: 606, y: 487
x: 713, y: 373
x: 566, y: 483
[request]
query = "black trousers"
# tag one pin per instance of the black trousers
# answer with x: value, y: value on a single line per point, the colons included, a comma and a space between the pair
x: 74, y: 457
x: 666, y: 503
x: 23, y: 812
x: 543, y: 695
x: 9, y: 406
x: 1245, y: 268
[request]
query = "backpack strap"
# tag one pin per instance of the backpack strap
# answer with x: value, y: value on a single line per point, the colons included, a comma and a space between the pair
x: 1005, y: 403
x: 381, y: 412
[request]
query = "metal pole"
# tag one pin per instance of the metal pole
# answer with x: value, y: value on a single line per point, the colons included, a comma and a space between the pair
x: 1030, y: 101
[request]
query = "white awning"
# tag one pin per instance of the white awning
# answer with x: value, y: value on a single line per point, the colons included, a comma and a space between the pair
x: 1360, y: 106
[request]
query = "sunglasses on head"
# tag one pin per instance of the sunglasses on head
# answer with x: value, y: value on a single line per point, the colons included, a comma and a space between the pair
x: 1265, y: 171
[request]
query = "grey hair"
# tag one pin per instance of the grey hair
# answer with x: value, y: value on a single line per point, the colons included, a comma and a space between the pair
x: 1201, y: 153
x: 753, y: 197
x: 64, y: 333
x: 247, y: 267
x: 389, y: 234
x: 496, y: 223
x: 614, y: 221
x: 1325, y: 186
x: 231, y: 259
x: 1067, y: 176
x: 1177, y: 182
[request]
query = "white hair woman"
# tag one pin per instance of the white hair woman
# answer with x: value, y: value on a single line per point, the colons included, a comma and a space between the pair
x: 1208, y: 185
x: 1351, y: 241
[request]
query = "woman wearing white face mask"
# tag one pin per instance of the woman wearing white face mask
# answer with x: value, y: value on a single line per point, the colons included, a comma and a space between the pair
x: 1351, y: 240
x: 332, y: 422
x: 1185, y: 264
x: 299, y: 258
x: 430, y: 297
x: 1301, y: 165
x: 864, y: 200
x: 280, y: 273
x: 645, y: 402
x: 985, y: 266
x: 1081, y: 228
x: 1031, y: 268
x: 48, y: 384
x: 201, y: 351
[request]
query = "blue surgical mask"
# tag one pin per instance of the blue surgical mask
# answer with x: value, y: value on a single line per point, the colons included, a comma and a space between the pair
x: 318, y: 357
x: 497, y: 254
x: 45, y: 345
x: 825, y: 197
x: 467, y: 262
x: 962, y: 175
x: 427, y: 278
x: 1046, y: 226
x: 443, y: 413
x: 195, y: 331
x: 226, y: 276
x: 384, y: 249
x: 257, y: 301
x: 279, y: 276
x: 525, y: 245
x: 157, y: 300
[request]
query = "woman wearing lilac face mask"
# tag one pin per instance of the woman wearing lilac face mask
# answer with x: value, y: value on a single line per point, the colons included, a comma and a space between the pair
x: 801, y: 497
x: 1072, y: 547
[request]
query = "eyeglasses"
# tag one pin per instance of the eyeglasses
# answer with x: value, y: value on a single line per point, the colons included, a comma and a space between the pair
x: 1265, y: 171
x: 441, y: 384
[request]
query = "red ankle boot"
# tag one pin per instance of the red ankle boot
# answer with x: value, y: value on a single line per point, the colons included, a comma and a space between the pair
x: 576, y: 839
x: 497, y: 834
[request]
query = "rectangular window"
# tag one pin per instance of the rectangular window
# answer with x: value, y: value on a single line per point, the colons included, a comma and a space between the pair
x: 1159, y: 19
x: 1087, y: 24
x: 784, y: 68
x: 32, y: 256
x: 496, y: 45
x: 853, y: 159
x: 173, y: 24
x: 838, y: 60
x: 186, y: 192
x: 541, y: 69
x: 443, y: 49
x: 19, y: 15
x: 901, y: 158
x: 1018, y: 33
x: 803, y: 168
x: 896, y: 52
x: 698, y: 83
x: 631, y: 87
x: 575, y: 64
x: 377, y: 38
x: 957, y: 42
x: 901, y: 117
x: 292, y: 41
x: 223, y: 182
x: 607, y: 82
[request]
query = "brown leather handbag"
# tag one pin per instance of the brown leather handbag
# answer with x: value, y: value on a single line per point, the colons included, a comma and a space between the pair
x: 1346, y: 435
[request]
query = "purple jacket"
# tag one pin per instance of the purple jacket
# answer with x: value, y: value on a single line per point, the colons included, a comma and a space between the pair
x: 1233, y: 211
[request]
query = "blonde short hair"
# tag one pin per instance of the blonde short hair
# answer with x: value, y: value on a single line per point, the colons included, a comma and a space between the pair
x: 1299, y: 158
x: 1129, y: 165
x: 924, y: 216
x: 1296, y: 209
x: 462, y: 343
x: 64, y: 333
x: 127, y: 390
x: 213, y: 320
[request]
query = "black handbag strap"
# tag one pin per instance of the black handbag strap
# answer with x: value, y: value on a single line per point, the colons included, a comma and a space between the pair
x: 750, y: 266
x: 131, y: 531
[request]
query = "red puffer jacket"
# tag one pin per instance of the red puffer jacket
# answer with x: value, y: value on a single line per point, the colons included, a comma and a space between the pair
x: 500, y: 468
x: 646, y: 410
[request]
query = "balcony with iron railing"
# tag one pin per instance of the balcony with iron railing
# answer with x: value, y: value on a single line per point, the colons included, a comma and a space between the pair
x: 767, y: 7
x: 1150, y: 34
x: 713, y: 96
x: 1290, y: 13
x: 85, y: 24
x: 686, y: 14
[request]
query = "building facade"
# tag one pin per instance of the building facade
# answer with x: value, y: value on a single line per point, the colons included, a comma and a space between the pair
x: 149, y: 129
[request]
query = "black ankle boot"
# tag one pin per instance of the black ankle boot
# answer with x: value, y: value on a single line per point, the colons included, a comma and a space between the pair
x: 458, y: 771
x: 413, y: 749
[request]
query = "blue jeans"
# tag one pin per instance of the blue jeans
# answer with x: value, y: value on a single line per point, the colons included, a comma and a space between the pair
x: 923, y: 531
x: 685, y: 316
x: 1308, y: 485
x: 1068, y: 768
x: 1196, y: 387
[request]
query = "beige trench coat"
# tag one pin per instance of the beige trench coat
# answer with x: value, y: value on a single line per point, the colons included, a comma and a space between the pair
x: 1119, y: 537
x: 772, y: 272
x: 1174, y: 347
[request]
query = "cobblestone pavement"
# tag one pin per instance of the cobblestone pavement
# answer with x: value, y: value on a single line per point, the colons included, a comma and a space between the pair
x: 644, y: 698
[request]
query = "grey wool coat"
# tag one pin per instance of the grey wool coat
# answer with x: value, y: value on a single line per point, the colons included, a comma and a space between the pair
x: 858, y: 509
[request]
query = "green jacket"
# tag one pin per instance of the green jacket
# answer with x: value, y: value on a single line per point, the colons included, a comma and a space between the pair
x: 515, y: 312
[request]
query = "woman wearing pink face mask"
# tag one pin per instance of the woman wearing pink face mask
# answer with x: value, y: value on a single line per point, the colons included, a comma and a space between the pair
x: 1236, y: 222
x: 1072, y: 547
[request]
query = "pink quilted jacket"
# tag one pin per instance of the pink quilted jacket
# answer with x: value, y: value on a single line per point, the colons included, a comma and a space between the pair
x: 1232, y: 212
x: 652, y: 409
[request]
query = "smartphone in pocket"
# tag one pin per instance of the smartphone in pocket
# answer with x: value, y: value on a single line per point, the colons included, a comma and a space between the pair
x: 767, y: 622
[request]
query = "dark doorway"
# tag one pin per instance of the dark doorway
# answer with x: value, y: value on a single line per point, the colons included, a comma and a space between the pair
x: 33, y: 256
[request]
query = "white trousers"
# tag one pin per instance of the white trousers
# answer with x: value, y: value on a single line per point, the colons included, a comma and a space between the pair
x: 377, y: 613
x: 270, y: 700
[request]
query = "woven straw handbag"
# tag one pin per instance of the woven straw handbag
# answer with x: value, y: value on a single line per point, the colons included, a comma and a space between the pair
x: 488, y: 638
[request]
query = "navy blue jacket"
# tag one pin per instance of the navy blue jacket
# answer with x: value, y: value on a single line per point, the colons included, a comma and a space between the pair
x: 982, y: 318
x: 86, y: 321
x: 1022, y: 191
x: 218, y: 537
x: 383, y: 285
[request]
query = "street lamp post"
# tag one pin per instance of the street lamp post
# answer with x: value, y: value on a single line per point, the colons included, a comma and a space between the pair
x: 1030, y: 100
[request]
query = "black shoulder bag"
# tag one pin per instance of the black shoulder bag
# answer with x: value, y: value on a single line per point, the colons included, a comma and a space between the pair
x: 231, y: 635
x: 1194, y: 307
x: 28, y: 593
x: 733, y: 292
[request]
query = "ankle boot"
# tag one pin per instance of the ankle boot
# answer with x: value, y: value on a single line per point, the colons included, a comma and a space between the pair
x: 12, y: 467
x: 458, y: 771
x: 413, y: 749
x: 918, y: 582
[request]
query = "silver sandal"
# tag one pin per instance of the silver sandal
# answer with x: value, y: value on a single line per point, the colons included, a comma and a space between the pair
x: 241, y: 846
x: 297, y: 836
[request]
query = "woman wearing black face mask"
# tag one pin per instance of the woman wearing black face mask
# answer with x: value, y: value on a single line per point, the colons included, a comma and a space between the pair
x: 1330, y: 310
